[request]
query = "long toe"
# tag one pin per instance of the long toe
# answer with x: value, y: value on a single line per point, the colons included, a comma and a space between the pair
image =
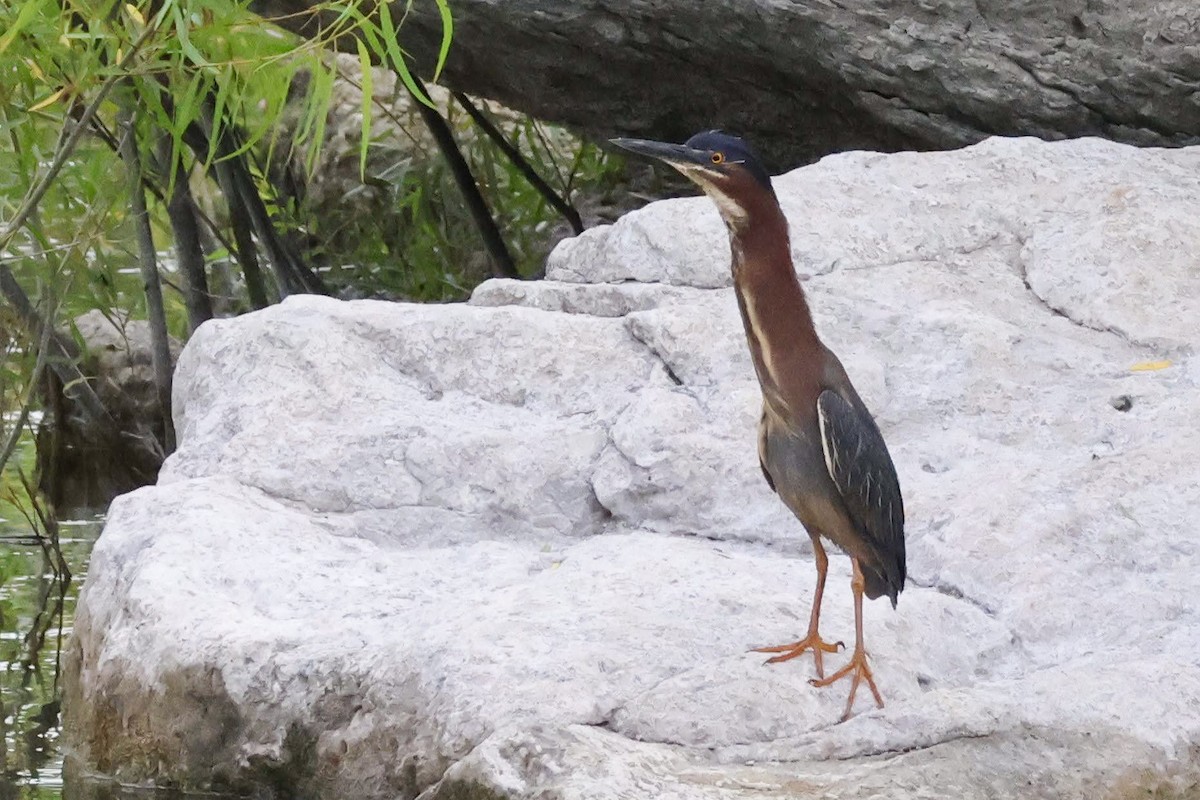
x: 813, y: 642
x: 796, y: 648
x: 858, y: 670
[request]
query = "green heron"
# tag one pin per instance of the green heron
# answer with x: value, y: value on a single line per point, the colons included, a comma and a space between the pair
x: 818, y: 446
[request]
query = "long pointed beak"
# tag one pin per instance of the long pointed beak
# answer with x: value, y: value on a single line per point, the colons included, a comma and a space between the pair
x: 674, y: 154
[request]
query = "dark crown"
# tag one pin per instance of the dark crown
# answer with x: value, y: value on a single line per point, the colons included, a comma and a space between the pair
x: 735, y: 150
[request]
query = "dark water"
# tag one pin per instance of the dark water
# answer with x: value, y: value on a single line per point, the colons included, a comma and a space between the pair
x: 37, y: 606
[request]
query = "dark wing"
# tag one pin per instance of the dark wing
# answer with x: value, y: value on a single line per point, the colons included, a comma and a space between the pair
x: 762, y: 451
x: 766, y: 474
x: 862, y: 470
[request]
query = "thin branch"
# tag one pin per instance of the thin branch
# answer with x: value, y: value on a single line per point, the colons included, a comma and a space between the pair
x: 160, y: 353
x: 243, y: 235
x: 291, y: 273
x: 502, y: 262
x: 541, y: 137
x: 181, y: 211
x: 63, y: 355
x: 559, y: 203
x: 105, y: 135
x: 39, y: 365
x: 383, y: 108
x: 286, y: 279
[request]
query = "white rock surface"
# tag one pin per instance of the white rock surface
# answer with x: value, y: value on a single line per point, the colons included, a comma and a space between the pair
x: 524, y: 544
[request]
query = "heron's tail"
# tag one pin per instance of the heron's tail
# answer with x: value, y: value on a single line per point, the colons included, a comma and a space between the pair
x: 889, y: 580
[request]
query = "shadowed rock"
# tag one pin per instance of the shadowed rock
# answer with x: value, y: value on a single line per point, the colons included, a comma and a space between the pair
x: 83, y: 463
x: 809, y: 78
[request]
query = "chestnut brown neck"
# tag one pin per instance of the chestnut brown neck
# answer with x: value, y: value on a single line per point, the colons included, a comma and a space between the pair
x: 784, y: 346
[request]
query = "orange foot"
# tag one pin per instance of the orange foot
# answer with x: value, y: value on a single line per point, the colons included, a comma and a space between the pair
x: 811, y: 642
x: 858, y: 667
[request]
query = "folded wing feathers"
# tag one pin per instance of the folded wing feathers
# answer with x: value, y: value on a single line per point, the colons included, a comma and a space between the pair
x: 861, y: 469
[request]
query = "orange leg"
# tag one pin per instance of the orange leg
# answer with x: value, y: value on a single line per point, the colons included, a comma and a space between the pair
x: 812, y: 640
x: 858, y: 662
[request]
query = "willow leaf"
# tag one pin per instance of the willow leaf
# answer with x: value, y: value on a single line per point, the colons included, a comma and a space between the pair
x: 28, y: 12
x: 364, y: 62
x: 399, y: 63
x: 447, y: 35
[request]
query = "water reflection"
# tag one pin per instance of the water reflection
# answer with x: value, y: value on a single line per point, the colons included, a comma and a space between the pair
x: 40, y: 571
x: 40, y: 577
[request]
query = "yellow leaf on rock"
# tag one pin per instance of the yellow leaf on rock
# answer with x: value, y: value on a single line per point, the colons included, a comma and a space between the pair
x: 1150, y: 366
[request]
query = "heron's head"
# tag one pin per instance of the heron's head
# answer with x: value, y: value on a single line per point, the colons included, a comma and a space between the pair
x: 723, y: 166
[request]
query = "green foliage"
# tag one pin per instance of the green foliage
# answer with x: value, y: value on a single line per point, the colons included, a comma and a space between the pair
x: 402, y: 231
x: 207, y: 61
x: 210, y: 60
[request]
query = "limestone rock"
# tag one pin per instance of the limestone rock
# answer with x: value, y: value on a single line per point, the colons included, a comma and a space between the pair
x: 595, y: 299
x: 520, y: 547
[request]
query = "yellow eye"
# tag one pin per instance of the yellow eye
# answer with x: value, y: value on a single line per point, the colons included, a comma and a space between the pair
x: 718, y: 158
